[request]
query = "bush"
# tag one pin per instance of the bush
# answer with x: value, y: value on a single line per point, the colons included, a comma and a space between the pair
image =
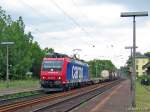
x: 145, y: 80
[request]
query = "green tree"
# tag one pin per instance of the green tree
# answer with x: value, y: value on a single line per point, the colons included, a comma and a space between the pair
x: 96, y: 67
x: 25, y: 55
x: 147, y: 54
x: 37, y: 56
x: 48, y: 50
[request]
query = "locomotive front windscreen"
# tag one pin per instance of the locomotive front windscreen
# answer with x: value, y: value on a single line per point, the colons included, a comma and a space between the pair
x: 52, y: 65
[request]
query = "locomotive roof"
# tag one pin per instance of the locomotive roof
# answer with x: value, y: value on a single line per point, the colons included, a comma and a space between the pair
x: 56, y: 55
x: 69, y: 59
x: 79, y: 62
x: 63, y: 56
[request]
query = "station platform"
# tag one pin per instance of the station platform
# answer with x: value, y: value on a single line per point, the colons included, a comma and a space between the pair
x: 117, y: 99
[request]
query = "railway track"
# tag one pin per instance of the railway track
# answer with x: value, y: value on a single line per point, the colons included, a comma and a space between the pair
x: 22, y: 104
x: 7, y: 99
x: 71, y: 103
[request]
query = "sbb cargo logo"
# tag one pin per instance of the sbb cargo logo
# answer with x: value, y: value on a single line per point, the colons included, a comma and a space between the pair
x: 77, y: 72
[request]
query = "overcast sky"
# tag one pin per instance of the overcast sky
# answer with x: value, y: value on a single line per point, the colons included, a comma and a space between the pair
x: 94, y: 26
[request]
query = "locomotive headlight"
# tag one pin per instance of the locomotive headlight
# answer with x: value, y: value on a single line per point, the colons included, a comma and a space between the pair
x: 43, y: 77
x: 59, y: 77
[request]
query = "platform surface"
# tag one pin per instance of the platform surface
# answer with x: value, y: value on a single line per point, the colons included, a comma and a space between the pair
x: 117, y: 99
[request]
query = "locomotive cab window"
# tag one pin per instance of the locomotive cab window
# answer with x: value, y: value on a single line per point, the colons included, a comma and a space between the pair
x: 52, y: 65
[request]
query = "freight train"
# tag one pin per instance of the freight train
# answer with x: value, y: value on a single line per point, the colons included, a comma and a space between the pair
x: 60, y: 72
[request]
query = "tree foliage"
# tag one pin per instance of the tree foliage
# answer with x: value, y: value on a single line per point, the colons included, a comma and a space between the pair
x: 125, y: 71
x: 147, y: 54
x: 25, y: 55
x: 96, y: 67
x: 48, y: 50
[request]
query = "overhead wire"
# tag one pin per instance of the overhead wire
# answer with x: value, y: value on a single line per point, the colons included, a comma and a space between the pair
x: 64, y: 12
x: 83, y: 14
x: 71, y: 18
x: 77, y: 7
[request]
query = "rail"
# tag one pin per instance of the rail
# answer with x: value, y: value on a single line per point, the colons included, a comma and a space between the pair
x: 22, y: 104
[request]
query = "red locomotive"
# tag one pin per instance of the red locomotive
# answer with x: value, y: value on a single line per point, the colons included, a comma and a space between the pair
x: 60, y: 72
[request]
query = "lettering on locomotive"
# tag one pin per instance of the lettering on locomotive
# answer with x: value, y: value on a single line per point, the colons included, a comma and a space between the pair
x: 77, y: 72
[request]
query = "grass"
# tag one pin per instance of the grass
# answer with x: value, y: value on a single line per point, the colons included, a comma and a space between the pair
x: 18, y: 95
x: 142, y: 96
x: 19, y: 84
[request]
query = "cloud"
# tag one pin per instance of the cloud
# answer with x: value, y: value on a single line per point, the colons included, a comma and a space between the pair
x: 68, y: 24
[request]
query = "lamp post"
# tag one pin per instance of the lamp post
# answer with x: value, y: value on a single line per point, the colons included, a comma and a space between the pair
x: 7, y: 59
x: 134, y: 14
x: 130, y: 47
x: 96, y: 69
